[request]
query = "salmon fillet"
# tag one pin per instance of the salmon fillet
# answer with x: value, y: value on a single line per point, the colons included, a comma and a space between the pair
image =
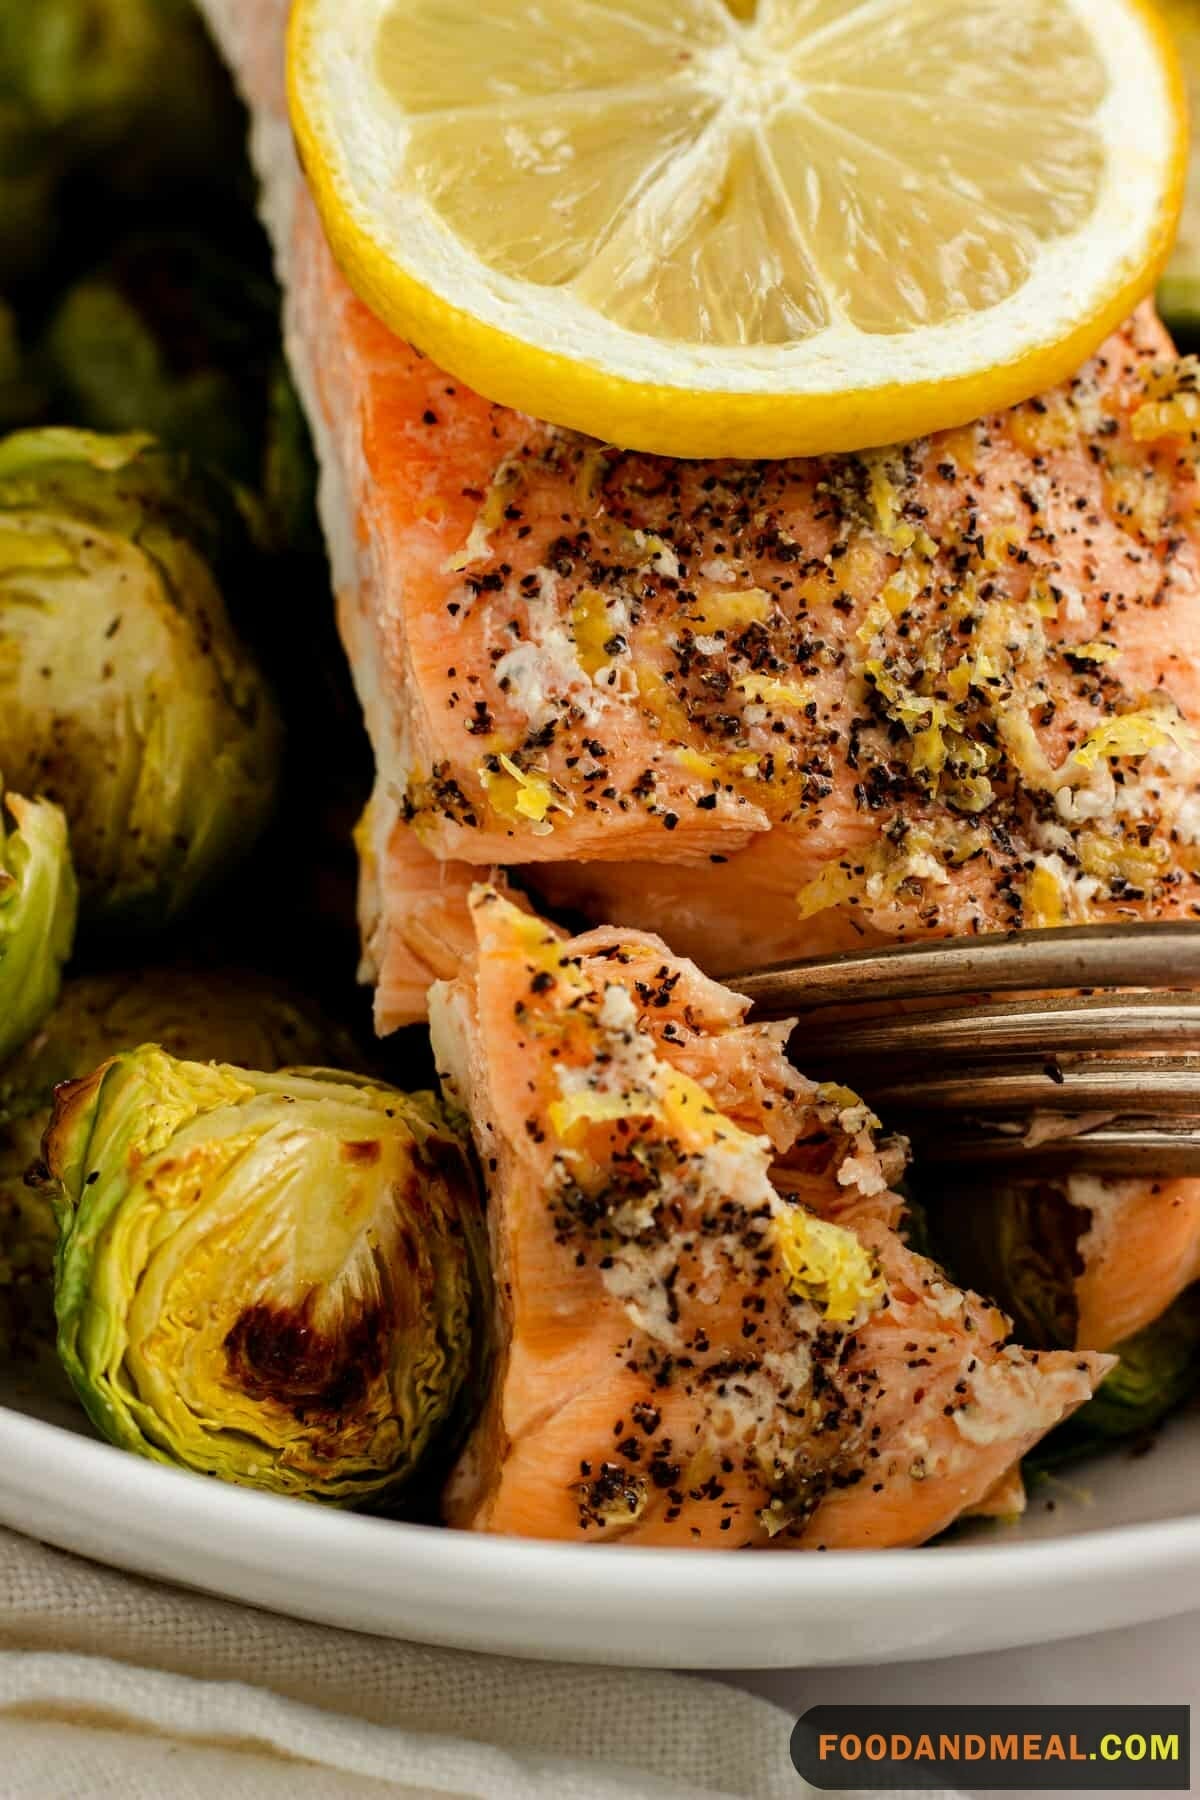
x: 768, y: 710
x: 708, y: 1329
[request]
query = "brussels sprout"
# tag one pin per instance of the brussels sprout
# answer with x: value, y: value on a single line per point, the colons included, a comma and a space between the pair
x: 172, y: 338
x: 202, y: 1015
x: 37, y: 914
x: 124, y: 694
x: 277, y: 1279
x: 128, y: 94
x: 1159, y: 1369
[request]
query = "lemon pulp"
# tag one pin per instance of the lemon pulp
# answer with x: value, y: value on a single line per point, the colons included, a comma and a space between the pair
x: 714, y: 227
x: 713, y: 180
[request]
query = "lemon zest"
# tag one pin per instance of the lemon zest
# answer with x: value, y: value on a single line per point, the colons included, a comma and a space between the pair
x: 1129, y: 734
x: 593, y: 630
x: 696, y: 763
x: 716, y: 610
x: 765, y: 690
x: 591, y: 1106
x: 1042, y: 898
x: 828, y: 1265
x: 523, y: 795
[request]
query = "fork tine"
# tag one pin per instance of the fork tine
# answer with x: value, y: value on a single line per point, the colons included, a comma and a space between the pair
x: 1123, y: 1085
x: 1087, y: 956
x: 975, y: 1084
x: 1043, y: 1028
x: 1123, y: 1147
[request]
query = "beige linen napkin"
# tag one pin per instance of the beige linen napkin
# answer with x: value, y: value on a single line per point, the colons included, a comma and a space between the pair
x: 111, y: 1685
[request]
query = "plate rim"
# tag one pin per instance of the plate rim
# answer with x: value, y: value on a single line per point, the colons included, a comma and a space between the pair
x: 663, y: 1574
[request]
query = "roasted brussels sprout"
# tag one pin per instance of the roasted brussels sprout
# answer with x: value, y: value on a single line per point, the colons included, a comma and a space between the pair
x: 1159, y: 1369
x: 276, y: 1279
x: 127, y: 95
x: 37, y: 914
x: 203, y: 1015
x: 124, y: 694
x: 171, y: 337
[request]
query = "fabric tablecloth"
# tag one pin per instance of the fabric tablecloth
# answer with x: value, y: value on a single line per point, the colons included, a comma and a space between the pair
x: 110, y: 1685
x: 115, y: 1686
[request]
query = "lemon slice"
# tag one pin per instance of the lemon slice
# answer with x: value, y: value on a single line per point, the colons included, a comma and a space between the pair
x: 710, y: 229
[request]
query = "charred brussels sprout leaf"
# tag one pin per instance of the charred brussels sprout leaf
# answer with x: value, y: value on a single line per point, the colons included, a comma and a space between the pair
x: 37, y: 914
x: 274, y: 1279
x: 210, y: 1015
x: 1159, y: 1369
x: 124, y: 694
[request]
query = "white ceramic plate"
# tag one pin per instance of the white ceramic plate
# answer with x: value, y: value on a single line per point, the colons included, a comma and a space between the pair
x: 1121, y: 1546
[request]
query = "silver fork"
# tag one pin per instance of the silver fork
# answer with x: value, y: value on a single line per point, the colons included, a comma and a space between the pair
x: 1096, y: 1067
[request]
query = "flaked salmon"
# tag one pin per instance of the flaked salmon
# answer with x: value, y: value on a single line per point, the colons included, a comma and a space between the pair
x: 709, y: 1330
x: 765, y: 709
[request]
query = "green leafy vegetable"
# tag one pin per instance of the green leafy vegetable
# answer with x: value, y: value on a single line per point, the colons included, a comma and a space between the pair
x: 277, y: 1279
x: 124, y: 694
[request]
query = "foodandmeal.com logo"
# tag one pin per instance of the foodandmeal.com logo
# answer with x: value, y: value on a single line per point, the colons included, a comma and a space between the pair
x: 1125, y: 1749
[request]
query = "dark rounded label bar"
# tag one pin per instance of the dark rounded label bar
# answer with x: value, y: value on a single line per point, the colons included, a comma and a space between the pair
x: 1122, y: 1749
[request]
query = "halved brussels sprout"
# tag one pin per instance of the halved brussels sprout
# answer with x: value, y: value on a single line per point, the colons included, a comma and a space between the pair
x: 124, y: 694
x: 37, y: 914
x: 275, y: 1279
x: 202, y: 1015
x: 173, y: 337
x: 1159, y: 1369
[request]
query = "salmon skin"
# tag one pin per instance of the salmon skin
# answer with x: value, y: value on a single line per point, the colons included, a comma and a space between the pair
x: 769, y: 710
x: 709, y: 1331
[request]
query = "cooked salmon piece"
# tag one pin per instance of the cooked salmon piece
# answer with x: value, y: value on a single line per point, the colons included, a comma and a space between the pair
x: 709, y: 1330
x: 784, y: 708
x: 767, y: 709
x: 1140, y: 1248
